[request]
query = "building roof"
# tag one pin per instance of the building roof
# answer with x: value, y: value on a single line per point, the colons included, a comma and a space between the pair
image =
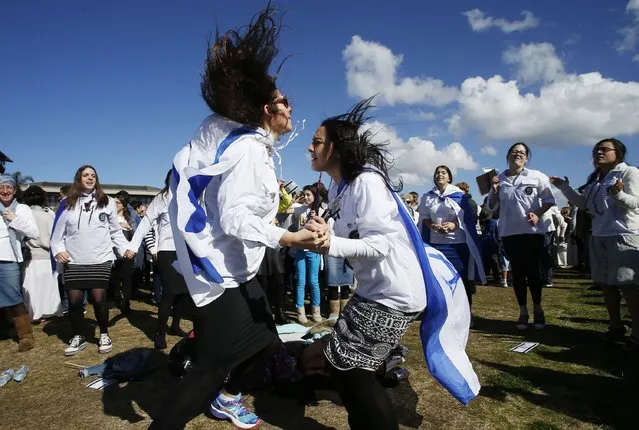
x: 4, y: 158
x: 136, y: 190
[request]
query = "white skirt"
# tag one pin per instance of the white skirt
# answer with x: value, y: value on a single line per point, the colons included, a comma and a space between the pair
x: 40, y: 290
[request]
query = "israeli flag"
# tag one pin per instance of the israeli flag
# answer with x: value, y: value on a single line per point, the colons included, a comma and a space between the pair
x: 444, y: 329
x: 194, y: 166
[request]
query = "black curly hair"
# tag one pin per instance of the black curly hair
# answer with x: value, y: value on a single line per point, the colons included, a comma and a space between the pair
x: 236, y: 83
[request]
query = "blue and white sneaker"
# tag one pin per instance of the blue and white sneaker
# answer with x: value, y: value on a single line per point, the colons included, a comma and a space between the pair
x: 235, y: 411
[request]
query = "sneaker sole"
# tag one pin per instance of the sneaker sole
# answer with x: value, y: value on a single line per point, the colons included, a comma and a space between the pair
x: 80, y: 348
x: 105, y: 350
x: 539, y: 326
x: 226, y: 416
x: 521, y: 326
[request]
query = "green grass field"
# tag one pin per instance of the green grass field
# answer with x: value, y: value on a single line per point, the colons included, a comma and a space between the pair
x: 573, y: 380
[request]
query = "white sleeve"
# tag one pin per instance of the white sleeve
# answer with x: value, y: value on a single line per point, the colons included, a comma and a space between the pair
x: 24, y: 223
x: 117, y: 237
x: 545, y: 192
x: 57, y: 236
x: 239, y: 197
x: 629, y: 197
x: 375, y: 208
x: 153, y: 211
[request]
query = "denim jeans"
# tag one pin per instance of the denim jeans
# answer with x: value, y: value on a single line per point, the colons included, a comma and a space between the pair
x: 307, y: 265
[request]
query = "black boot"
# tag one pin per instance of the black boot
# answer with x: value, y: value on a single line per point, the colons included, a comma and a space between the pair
x: 176, y: 330
x: 160, y: 341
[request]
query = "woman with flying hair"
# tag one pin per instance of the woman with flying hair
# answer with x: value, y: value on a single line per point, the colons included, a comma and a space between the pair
x: 375, y: 232
x: 220, y: 237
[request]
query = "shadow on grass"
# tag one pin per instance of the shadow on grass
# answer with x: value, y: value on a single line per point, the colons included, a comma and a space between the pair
x: 582, y: 346
x: 146, y: 393
x: 143, y: 320
x: 582, y: 320
x: 597, y: 399
x: 282, y: 407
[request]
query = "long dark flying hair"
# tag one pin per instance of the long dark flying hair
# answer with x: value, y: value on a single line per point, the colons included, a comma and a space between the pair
x: 167, y: 183
x: 76, y: 189
x: 356, y: 149
x: 236, y: 83
x: 620, y: 150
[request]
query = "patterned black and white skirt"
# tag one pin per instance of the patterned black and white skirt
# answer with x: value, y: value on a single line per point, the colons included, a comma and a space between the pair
x: 365, y: 334
x: 87, y: 276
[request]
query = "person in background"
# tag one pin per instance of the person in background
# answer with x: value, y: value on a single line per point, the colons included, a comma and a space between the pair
x: 122, y: 273
x: 472, y: 203
x: 40, y: 286
x: 64, y: 190
x: 563, y: 237
x: 522, y: 197
x: 308, y: 263
x: 411, y: 203
x: 84, y: 234
x: 272, y: 272
x: 611, y: 195
x: 550, y: 218
x: 174, y: 287
x: 446, y: 213
x: 18, y: 224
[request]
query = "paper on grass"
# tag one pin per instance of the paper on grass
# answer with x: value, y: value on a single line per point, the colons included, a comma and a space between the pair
x: 525, y: 347
x: 100, y: 383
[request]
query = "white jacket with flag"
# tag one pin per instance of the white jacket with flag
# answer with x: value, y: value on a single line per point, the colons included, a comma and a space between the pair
x: 224, y: 197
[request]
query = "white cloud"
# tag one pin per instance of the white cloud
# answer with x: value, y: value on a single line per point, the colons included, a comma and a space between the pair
x: 488, y: 150
x: 417, y: 116
x: 636, y: 58
x: 480, y: 22
x: 630, y: 33
x: 577, y: 109
x: 372, y: 68
x: 416, y: 158
x: 535, y: 62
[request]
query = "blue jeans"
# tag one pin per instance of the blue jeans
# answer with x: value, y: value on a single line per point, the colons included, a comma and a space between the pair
x: 307, y: 265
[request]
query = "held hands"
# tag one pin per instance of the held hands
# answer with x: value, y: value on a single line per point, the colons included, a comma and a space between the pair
x: 533, y: 219
x: 445, y: 227
x: 129, y: 254
x: 318, y: 226
x: 558, y: 182
x: 8, y: 215
x: 63, y: 257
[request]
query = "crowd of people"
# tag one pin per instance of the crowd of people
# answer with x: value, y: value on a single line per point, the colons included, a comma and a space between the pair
x: 230, y: 241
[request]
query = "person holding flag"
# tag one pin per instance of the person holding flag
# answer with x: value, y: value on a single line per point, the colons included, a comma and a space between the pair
x: 397, y: 274
x: 448, y: 223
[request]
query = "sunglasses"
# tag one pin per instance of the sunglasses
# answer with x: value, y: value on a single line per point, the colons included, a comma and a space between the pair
x: 281, y: 99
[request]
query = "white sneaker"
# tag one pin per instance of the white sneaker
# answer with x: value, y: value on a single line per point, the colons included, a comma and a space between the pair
x: 105, y: 345
x: 76, y: 345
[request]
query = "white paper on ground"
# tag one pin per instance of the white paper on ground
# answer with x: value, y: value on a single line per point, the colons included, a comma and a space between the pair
x: 100, y: 383
x: 525, y: 347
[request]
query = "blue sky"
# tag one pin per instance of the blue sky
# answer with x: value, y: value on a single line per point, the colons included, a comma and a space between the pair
x: 116, y: 84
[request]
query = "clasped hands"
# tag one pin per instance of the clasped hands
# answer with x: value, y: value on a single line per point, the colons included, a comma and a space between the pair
x: 316, y: 235
x: 445, y: 227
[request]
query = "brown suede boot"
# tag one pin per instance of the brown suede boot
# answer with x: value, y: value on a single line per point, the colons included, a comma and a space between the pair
x: 22, y: 322
x: 333, y: 306
x: 342, y: 304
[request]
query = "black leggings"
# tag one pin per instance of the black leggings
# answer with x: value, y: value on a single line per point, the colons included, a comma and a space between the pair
x: 525, y: 253
x: 169, y: 302
x: 235, y: 334
x: 275, y: 287
x: 365, y: 400
x: 121, y: 279
x: 76, y: 309
x: 339, y: 292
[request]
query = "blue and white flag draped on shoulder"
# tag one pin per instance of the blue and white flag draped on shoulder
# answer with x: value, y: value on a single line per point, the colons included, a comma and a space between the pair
x: 444, y: 328
x: 194, y: 166
x: 457, y: 200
